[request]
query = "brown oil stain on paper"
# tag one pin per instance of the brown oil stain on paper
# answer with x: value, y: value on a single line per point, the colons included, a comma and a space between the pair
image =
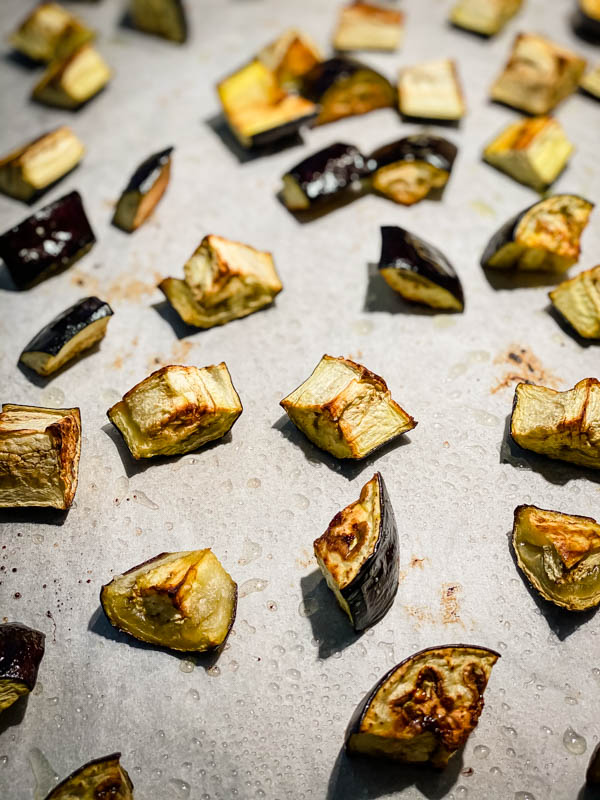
x: 524, y: 367
x: 449, y: 603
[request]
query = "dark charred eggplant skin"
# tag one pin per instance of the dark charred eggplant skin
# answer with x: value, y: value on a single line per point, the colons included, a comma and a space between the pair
x: 326, y: 73
x: 592, y: 776
x: 406, y: 251
x: 112, y: 757
x: 148, y: 171
x: 21, y: 650
x: 433, y: 150
x: 56, y: 334
x: 48, y: 241
x: 586, y: 25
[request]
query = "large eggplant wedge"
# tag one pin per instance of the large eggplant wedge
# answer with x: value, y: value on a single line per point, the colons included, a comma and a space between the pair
x: 144, y: 190
x: 101, y: 779
x: 578, y: 301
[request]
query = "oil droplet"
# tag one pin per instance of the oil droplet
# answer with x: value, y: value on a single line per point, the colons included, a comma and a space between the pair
x: 444, y: 321
x: 481, y: 751
x: 253, y: 483
x: 293, y: 674
x: 573, y: 742
x: 308, y: 607
x: 213, y: 671
x: 596, y: 674
x: 250, y: 551
x: 462, y: 791
x: 485, y: 418
x: 156, y: 774
x: 253, y: 585
x: 53, y: 701
x: 509, y: 731
x: 495, y: 771
x: 227, y: 486
x: 52, y: 397
x: 388, y: 649
x: 194, y: 694
x: 301, y: 501
x: 181, y: 787
x: 143, y: 499
x: 572, y: 701
x: 363, y: 326
x: 524, y: 796
x: 3, y: 761
x: 38, y: 538
x: 187, y: 665
x: 44, y: 774
x: 456, y: 371
x: 548, y: 731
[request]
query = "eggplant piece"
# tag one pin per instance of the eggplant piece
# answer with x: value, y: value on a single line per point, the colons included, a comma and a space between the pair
x: 408, y: 169
x: 424, y: 709
x: 184, y: 601
x: 39, y: 456
x: 562, y: 425
x: 592, y: 776
x: 144, y: 191
x: 532, y: 151
x: 578, y: 302
x: 538, y: 75
x: 590, y: 83
x: 50, y: 240
x: 418, y: 271
x: 587, y: 19
x: 49, y: 32
x: 346, y: 410
x: 431, y: 90
x: 21, y: 651
x: 164, y: 18
x: 70, y: 333
x: 560, y: 556
x: 544, y: 237
x: 224, y: 280
x: 336, y: 172
x: 100, y: 779
x: 36, y: 165
x: 359, y: 555
x: 72, y: 81
x: 176, y: 409
x: 486, y: 17
x: 365, y: 26
x: 344, y: 87
x: 289, y: 57
x: 258, y: 110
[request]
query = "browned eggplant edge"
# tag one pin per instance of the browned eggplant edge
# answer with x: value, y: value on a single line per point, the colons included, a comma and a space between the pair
x: 112, y: 757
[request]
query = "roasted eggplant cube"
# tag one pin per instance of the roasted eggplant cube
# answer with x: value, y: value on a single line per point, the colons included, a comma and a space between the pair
x: 485, y: 17
x: 538, y: 75
x: 21, y: 651
x: 144, y: 191
x: 177, y: 409
x: 39, y: 456
x: 72, y: 81
x: 592, y: 776
x: 431, y: 90
x: 365, y: 26
x: 560, y: 556
x: 562, y: 425
x: 424, y: 709
x: 578, y: 301
x: 344, y: 87
x: 224, y: 280
x: 165, y: 18
x: 28, y: 170
x: 47, y: 242
x: 48, y: 32
x: 418, y: 271
x: 184, y: 601
x: 100, y: 779
x: 408, y: 169
x: 532, y: 151
x: 346, y: 410
x: 590, y: 82
x: 258, y: 110
x: 359, y: 555
x: 289, y: 57
x: 545, y: 237
x: 336, y: 172
x: 588, y: 19
x: 69, y: 334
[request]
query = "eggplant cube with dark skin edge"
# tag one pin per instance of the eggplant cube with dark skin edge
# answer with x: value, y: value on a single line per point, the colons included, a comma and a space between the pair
x: 346, y: 410
x: 588, y: 19
x: 592, y: 776
x: 423, y: 710
x: 431, y: 90
x: 48, y: 241
x: 101, y: 779
x: 590, y: 83
x: 418, y: 271
x: 39, y: 456
x: 72, y: 81
x: 144, y: 191
x: 560, y: 556
x: 544, y: 237
x: 48, y: 32
x: 164, y: 18
x: 578, y: 301
x: 21, y: 651
x: 560, y: 425
x: 183, y: 601
x: 359, y: 555
x: 486, y: 17
x: 366, y: 26
x: 289, y: 57
x: 70, y: 333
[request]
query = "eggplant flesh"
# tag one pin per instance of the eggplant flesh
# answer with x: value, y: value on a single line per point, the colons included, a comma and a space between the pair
x: 578, y: 301
x: 100, y: 779
x: 49, y: 32
x: 144, y: 191
x: 364, y: 26
x: 486, y: 17
x: 289, y: 57
x: 418, y: 271
x: 165, y: 18
x: 590, y: 83
x: 72, y: 81
x: 592, y: 776
x: 424, y: 709
x: 183, y: 601
x: 69, y: 334
x: 431, y: 91
x: 21, y: 651
x: 48, y: 241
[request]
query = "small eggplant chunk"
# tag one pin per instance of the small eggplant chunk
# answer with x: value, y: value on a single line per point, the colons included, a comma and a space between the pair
x: 344, y: 87
x: 538, y: 75
x: 177, y: 409
x: 418, y: 271
x: 144, y: 191
x: 49, y: 32
x: 560, y: 556
x: 49, y: 241
x: 69, y: 334
x: 39, y: 456
x: 588, y: 18
x: 544, y: 237
x: 366, y: 26
x: 431, y: 90
x: 165, y: 18
x: 21, y: 651
x: 184, y: 601
x: 72, y: 81
x: 359, y: 555
x: 562, y: 425
x: 592, y: 776
x: 424, y: 709
x: 578, y: 301
x: 336, y: 172
x: 408, y: 169
x: 100, y: 779
x: 346, y: 410
x: 486, y: 17
x: 590, y: 83
x: 289, y: 57
x: 532, y: 151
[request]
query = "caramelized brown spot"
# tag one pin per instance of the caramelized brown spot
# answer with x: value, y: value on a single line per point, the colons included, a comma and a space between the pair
x: 529, y: 369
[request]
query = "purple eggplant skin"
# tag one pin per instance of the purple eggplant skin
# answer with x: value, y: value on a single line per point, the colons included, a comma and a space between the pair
x: 433, y: 150
x: 586, y: 24
x: 406, y: 251
x: 325, y: 73
x: 286, y: 130
x: 145, y: 176
x: 56, y: 334
x: 592, y: 776
x: 504, y: 235
x: 48, y: 241
x: 21, y: 651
